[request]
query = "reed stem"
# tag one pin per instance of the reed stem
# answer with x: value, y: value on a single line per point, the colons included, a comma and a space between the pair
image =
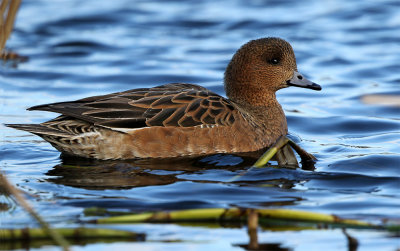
x: 58, y: 238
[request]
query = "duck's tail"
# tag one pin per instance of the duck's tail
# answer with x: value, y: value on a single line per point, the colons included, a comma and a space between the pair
x: 38, y: 129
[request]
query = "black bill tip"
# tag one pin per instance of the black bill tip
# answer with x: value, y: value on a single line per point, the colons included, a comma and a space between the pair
x: 315, y: 86
x: 299, y: 80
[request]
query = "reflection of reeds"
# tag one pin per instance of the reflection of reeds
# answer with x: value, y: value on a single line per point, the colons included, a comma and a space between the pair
x: 8, y: 11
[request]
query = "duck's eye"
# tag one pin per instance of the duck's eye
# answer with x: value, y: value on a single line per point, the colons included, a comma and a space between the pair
x: 274, y: 61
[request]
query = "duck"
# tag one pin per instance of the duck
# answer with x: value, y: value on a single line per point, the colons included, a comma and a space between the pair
x: 182, y: 119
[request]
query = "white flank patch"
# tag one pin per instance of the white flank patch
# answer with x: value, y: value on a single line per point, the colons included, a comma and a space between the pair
x: 126, y: 130
x: 86, y: 135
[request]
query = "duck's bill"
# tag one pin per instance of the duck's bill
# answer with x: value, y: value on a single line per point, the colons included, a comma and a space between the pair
x: 300, y: 81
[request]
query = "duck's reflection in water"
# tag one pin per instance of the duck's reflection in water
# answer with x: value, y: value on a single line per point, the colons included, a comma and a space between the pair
x: 125, y: 174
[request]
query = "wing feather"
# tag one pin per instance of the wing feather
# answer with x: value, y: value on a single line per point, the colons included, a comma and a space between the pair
x: 176, y: 105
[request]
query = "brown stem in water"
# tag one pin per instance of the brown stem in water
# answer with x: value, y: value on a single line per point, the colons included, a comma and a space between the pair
x: 11, y: 190
x: 252, y: 225
x: 352, y: 242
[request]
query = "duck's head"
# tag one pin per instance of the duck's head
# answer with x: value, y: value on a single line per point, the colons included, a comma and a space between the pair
x: 260, y: 68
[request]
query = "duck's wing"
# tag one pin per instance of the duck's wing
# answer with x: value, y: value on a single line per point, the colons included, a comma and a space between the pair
x: 171, y: 105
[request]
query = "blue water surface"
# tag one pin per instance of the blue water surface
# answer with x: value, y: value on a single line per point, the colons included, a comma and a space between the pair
x: 83, y: 48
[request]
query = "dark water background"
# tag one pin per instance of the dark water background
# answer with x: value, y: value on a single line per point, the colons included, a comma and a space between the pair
x: 82, y: 48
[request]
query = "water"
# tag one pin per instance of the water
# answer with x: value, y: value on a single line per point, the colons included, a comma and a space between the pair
x: 82, y: 48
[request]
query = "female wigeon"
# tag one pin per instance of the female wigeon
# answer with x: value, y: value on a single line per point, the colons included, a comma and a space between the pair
x: 182, y: 119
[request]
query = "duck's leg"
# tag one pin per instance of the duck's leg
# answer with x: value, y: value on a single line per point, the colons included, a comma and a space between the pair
x: 307, y: 159
x: 285, y: 157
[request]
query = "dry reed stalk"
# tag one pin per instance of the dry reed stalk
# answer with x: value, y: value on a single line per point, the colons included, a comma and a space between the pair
x: 8, y: 11
x: 11, y: 190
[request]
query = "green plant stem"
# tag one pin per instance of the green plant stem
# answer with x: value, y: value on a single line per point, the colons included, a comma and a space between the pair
x: 232, y: 214
x: 267, y: 156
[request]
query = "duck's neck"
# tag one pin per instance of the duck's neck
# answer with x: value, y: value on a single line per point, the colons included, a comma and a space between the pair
x: 266, y: 114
